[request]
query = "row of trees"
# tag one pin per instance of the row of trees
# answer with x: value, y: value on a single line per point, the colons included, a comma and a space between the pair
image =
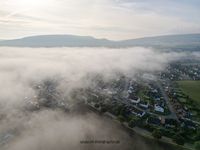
x: 177, y: 138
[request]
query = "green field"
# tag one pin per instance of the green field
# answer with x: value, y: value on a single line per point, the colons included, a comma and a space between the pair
x: 191, y: 88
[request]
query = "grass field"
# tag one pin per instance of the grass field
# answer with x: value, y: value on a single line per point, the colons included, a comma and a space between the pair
x: 191, y: 88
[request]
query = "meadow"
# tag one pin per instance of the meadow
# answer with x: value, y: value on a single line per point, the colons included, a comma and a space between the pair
x: 191, y: 88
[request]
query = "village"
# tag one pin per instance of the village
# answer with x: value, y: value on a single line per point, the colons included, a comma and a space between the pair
x: 150, y: 104
x: 157, y: 106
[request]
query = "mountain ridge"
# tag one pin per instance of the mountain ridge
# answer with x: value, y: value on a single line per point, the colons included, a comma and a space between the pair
x: 182, y: 41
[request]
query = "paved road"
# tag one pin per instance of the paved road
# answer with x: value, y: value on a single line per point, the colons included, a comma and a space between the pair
x: 166, y: 98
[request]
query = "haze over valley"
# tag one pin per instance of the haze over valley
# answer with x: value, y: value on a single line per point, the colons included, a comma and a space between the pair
x: 38, y: 84
x: 99, y: 75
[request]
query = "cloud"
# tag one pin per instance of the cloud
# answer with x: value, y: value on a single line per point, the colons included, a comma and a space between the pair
x: 21, y: 69
x: 54, y: 130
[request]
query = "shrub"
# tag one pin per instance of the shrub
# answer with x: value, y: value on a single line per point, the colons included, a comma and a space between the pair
x: 133, y: 122
x: 96, y: 105
x: 121, y: 118
x: 197, y: 145
x: 179, y: 139
x: 157, y: 134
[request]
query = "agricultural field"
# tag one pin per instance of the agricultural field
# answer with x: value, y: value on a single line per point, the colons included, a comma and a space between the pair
x: 191, y: 88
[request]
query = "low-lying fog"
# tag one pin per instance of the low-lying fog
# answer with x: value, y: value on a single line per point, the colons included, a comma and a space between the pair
x: 51, y: 129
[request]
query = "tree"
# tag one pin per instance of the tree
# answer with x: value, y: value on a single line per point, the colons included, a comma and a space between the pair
x: 197, y: 145
x: 157, y: 134
x: 117, y: 110
x: 197, y: 137
x: 103, y: 109
x: 132, y: 123
x: 123, y: 111
x: 179, y: 139
x: 121, y: 118
x: 96, y: 105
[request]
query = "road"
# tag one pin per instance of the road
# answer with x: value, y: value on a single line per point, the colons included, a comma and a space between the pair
x: 166, y: 98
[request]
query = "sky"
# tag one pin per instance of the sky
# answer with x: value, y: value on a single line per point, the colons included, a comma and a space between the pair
x: 112, y: 19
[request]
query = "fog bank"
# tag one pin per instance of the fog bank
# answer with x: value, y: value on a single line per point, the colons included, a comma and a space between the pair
x: 21, y: 69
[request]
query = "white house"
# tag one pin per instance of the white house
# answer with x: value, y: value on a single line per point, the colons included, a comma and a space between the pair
x: 137, y: 112
x: 129, y: 91
x: 135, y: 100
x: 154, y: 91
x: 144, y: 104
x: 158, y: 108
x: 157, y: 99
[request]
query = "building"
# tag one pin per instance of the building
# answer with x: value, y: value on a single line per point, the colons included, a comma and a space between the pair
x: 144, y: 104
x: 170, y: 123
x: 158, y: 108
x: 157, y: 98
x: 187, y: 123
x: 137, y: 112
x: 135, y: 100
x: 153, y: 121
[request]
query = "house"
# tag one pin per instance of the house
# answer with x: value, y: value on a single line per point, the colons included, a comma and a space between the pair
x: 166, y: 89
x: 144, y: 104
x: 131, y: 88
x: 154, y: 121
x: 158, y: 108
x: 160, y: 103
x: 188, y: 124
x: 157, y: 98
x: 137, y: 112
x: 135, y: 100
x: 154, y: 91
x: 129, y: 91
x: 170, y: 123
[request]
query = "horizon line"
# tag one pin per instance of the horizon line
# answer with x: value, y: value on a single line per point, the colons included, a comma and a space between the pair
x: 163, y: 35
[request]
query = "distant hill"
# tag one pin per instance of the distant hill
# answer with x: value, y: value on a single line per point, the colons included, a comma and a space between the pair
x: 177, y: 42
x: 56, y: 41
